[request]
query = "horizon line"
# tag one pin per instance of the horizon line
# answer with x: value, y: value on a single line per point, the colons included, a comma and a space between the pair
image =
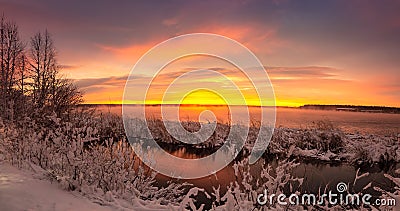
x: 172, y: 104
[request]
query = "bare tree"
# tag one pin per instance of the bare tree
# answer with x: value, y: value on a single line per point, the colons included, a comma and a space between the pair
x: 11, y: 52
x: 43, y: 68
x: 31, y: 80
x: 65, y: 96
x: 21, y: 90
x: 50, y: 91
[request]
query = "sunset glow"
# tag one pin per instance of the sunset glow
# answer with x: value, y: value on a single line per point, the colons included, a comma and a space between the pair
x: 340, y: 53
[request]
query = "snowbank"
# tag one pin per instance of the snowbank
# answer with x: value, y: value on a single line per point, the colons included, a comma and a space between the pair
x: 25, y: 190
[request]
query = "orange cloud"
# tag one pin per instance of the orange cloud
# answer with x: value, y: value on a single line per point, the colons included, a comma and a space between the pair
x: 130, y: 53
x: 258, y: 38
x: 294, y: 86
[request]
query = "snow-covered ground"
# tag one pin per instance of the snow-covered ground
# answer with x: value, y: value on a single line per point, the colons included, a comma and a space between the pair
x: 27, y: 190
x: 22, y: 189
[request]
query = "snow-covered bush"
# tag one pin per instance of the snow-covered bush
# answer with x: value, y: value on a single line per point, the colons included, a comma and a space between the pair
x: 86, y: 154
x: 242, y: 194
x: 391, y: 195
x: 370, y: 149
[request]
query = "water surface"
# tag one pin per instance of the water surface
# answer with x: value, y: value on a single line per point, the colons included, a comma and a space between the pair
x: 351, y: 122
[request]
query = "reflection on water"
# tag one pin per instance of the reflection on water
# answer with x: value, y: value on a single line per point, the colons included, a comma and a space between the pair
x: 187, y: 152
x: 362, y: 122
x: 317, y: 176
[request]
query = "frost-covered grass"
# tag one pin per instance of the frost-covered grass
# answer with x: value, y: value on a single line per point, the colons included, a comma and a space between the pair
x: 334, y: 145
x: 243, y: 194
x: 160, y: 134
x: 394, y: 195
x: 320, y: 141
x: 88, y: 153
x: 82, y: 155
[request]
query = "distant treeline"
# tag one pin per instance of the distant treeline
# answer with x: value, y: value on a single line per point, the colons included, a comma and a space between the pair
x: 354, y: 108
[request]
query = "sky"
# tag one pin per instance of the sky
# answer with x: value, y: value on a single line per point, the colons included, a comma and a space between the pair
x: 315, y: 52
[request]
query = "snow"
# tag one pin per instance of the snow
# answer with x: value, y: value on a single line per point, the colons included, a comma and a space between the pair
x: 31, y: 190
x: 23, y: 190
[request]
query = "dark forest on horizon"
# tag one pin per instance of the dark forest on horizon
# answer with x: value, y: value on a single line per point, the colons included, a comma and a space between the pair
x: 353, y: 108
